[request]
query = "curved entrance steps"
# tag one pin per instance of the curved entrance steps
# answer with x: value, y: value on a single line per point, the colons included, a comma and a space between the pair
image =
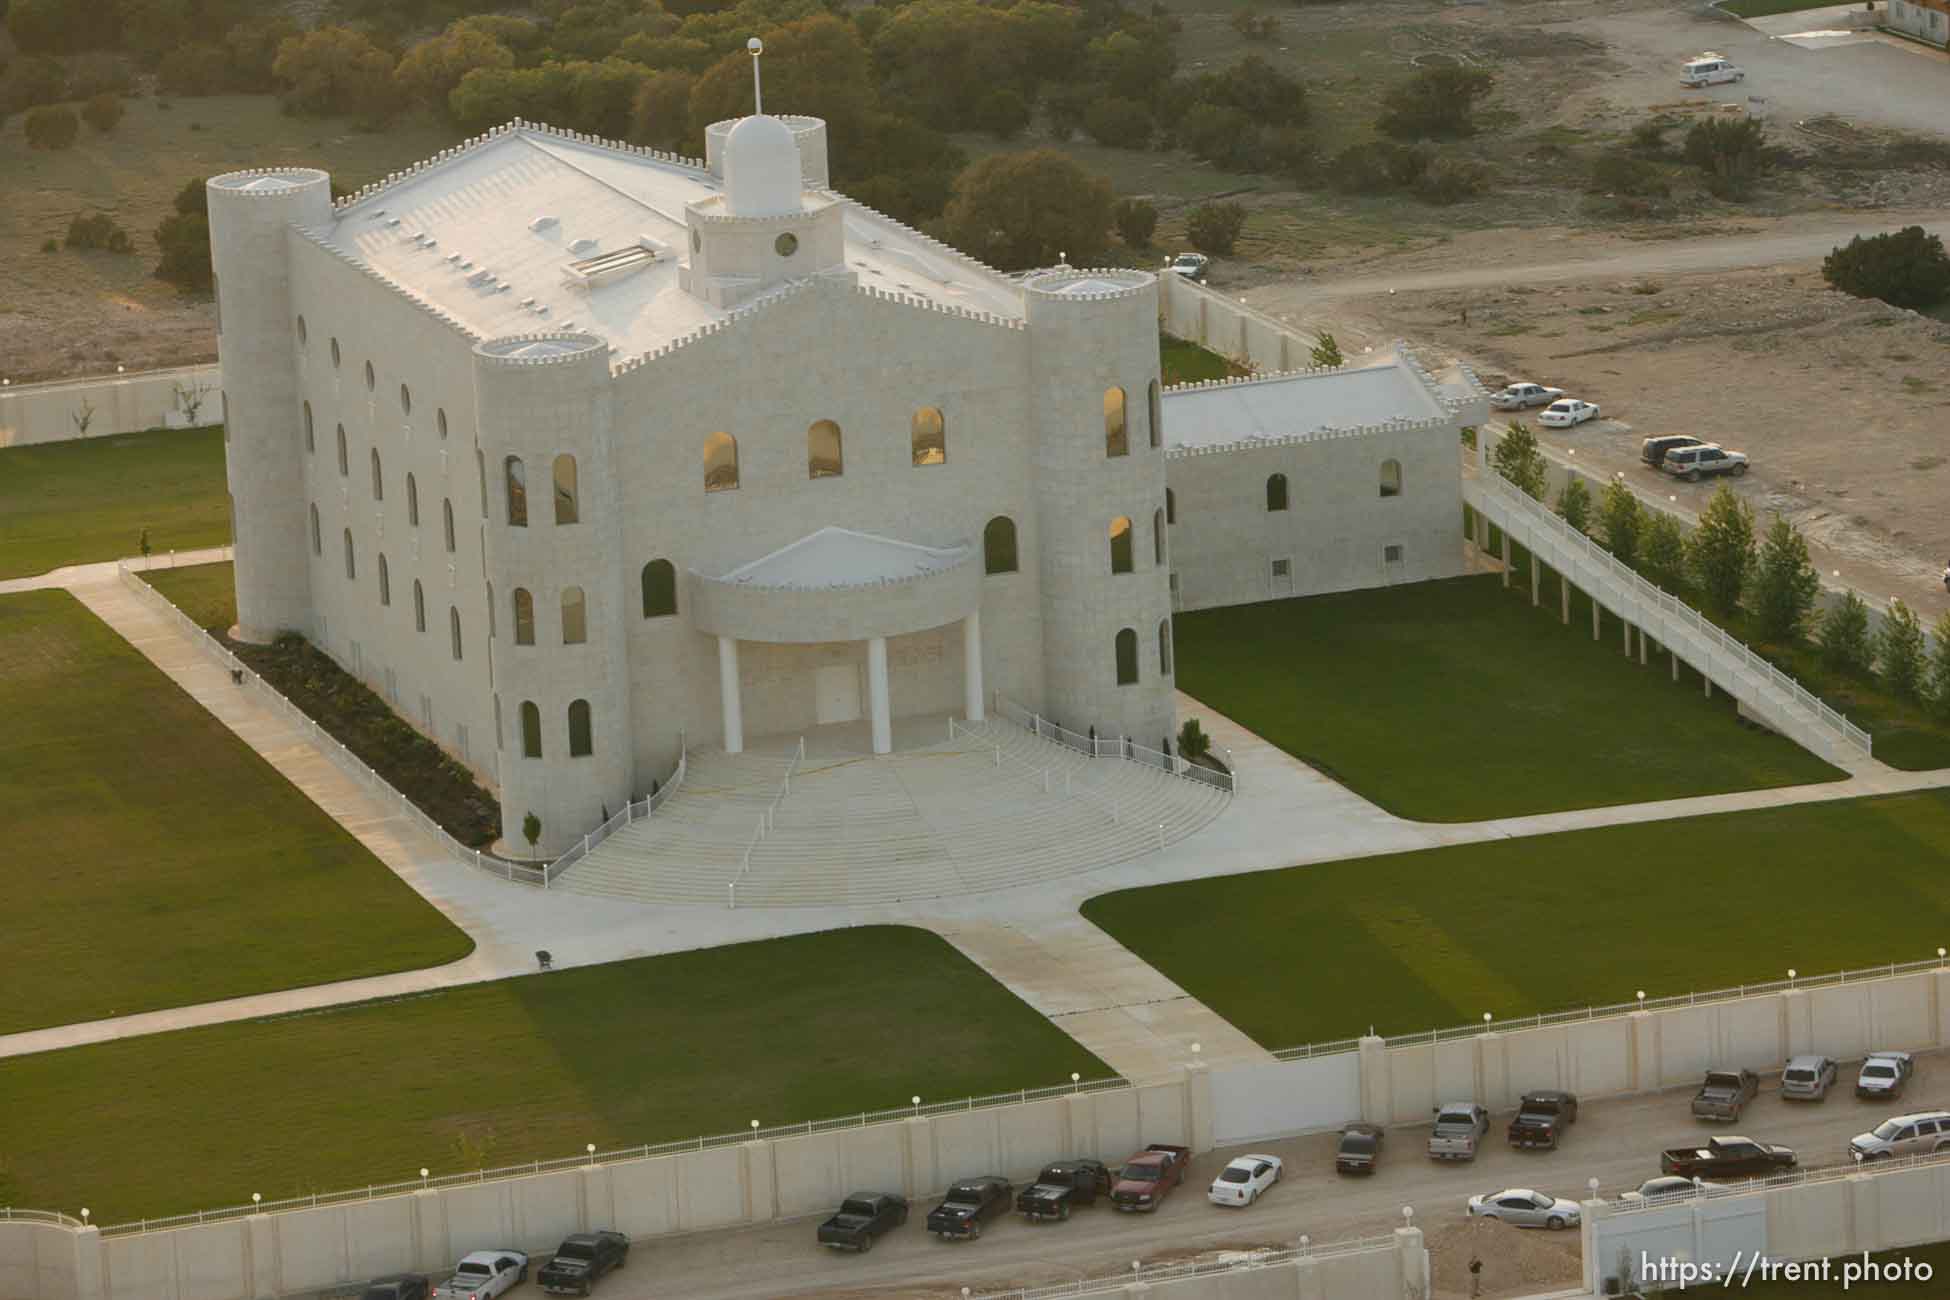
x: 943, y: 820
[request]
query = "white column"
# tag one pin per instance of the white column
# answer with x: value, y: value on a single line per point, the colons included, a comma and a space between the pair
x: 971, y: 671
x: 734, y: 714
x: 883, y: 727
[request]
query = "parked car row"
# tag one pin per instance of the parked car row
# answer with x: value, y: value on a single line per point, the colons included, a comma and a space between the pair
x: 574, y: 1269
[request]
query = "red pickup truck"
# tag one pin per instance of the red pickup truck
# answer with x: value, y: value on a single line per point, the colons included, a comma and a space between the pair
x: 1149, y: 1176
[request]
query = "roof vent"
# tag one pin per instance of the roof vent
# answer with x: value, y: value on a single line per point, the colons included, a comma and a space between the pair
x: 481, y: 276
x: 528, y: 302
x: 604, y: 268
x: 391, y: 221
x: 376, y: 213
x: 541, y: 223
x: 453, y: 257
x: 581, y: 246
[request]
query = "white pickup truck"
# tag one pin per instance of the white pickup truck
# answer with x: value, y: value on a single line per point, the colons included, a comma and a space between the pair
x: 1458, y: 1126
x: 1522, y: 395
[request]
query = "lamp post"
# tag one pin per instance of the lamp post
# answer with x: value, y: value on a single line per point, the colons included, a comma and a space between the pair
x: 917, y: 1103
x: 423, y: 1177
x: 257, y: 1199
x: 591, y: 1149
x: 756, y: 47
x: 1641, y: 999
x: 1076, y: 1080
x: 1790, y: 977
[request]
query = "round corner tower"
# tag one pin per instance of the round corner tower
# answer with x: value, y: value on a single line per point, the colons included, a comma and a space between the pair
x: 553, y: 558
x: 251, y: 213
x: 1100, y: 489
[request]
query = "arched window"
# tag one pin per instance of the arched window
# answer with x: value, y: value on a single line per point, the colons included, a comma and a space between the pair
x: 317, y: 546
x: 720, y: 463
x: 581, y: 742
x: 567, y: 503
x: 412, y: 501
x: 999, y: 545
x: 1117, y: 432
x: 1127, y: 663
x: 824, y: 458
x: 310, y: 443
x: 405, y: 400
x: 440, y: 422
x: 517, y: 492
x: 453, y: 630
x: 371, y: 378
x: 659, y: 589
x: 385, y: 581
x: 480, y: 472
x: 928, y: 433
x: 1155, y: 409
x: 345, y: 465
x: 1164, y: 646
x: 524, y: 617
x: 378, y: 478
x: 447, y: 521
x: 1158, y: 538
x: 302, y: 332
x: 1171, y: 506
x: 335, y: 354
x: 351, y: 567
x: 1391, y: 478
x: 1121, y: 560
x: 531, y: 730
x: 419, y: 607
x: 575, y: 622
x: 1276, y: 492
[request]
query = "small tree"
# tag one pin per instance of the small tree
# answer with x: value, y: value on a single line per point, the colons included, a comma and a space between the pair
x: 51, y: 128
x: 1899, y: 651
x: 1904, y: 268
x: 1118, y: 122
x: 1003, y: 113
x: 1574, y: 504
x: 1623, y: 519
x: 1785, y: 583
x: 1940, y: 671
x: 1327, y: 351
x: 1722, y: 550
x: 531, y: 830
x: 1518, y: 459
x: 1435, y: 103
x: 1214, y: 227
x: 81, y: 417
x: 1729, y: 151
x: 1019, y: 210
x: 184, y: 239
x: 189, y: 398
x: 102, y: 111
x: 1844, y: 635
x: 1137, y: 221
x: 1662, y: 551
x: 142, y: 543
x: 1193, y: 743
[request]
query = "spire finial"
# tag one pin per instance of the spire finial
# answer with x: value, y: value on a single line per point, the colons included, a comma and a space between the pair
x: 756, y: 47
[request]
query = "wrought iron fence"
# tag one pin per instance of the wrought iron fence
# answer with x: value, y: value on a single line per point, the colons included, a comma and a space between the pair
x: 1113, y: 747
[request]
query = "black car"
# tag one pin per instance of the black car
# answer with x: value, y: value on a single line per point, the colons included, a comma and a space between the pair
x: 581, y: 1260
x: 1062, y: 1186
x: 862, y: 1217
x: 398, y: 1286
x: 1360, y: 1149
x: 1653, y: 450
x: 968, y: 1203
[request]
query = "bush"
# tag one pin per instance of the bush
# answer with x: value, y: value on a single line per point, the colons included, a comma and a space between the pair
x: 1574, y: 504
x: 28, y: 82
x: 1435, y: 103
x: 184, y: 241
x: 1361, y: 169
x: 1003, y: 113
x: 98, y: 231
x: 1064, y: 108
x: 1904, y: 268
x: 1137, y: 221
x: 1623, y: 520
x: 1451, y: 180
x: 336, y: 70
x: 1844, y: 635
x: 1220, y: 135
x: 1255, y: 26
x: 1662, y: 551
x: 1900, y: 657
x: 102, y: 112
x: 1621, y: 173
x: 1731, y: 151
x: 1649, y: 136
x: 1214, y: 227
x: 1404, y: 164
x: 52, y: 128
x: 192, y: 70
x: 99, y: 73
x: 1120, y: 123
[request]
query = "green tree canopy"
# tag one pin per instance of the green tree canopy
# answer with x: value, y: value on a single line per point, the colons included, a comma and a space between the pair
x: 1722, y: 550
x: 1435, y: 103
x: 1518, y: 459
x: 1622, y: 517
x: 1785, y: 583
x: 1900, y: 657
x: 1905, y: 268
x: 1574, y: 504
x: 1020, y: 210
x: 336, y: 70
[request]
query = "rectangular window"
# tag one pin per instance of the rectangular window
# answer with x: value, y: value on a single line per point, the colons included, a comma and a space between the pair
x: 1282, y: 568
x: 1391, y: 554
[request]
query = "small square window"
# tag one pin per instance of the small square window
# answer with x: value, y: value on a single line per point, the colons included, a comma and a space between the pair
x: 1282, y: 568
x: 1391, y: 554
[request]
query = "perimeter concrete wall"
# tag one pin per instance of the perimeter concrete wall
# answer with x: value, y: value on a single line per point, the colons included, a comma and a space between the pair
x: 1232, y: 329
x: 109, y: 404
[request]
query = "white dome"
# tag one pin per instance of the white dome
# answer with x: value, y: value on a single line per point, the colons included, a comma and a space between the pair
x: 761, y: 169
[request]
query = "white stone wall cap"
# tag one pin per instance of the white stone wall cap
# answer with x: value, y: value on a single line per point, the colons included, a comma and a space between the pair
x: 1094, y: 284
x: 268, y: 181
x: 540, y: 349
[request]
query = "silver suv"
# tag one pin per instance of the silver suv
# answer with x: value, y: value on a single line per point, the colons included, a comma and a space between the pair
x: 1906, y: 1135
x: 1808, y: 1078
x: 1694, y: 463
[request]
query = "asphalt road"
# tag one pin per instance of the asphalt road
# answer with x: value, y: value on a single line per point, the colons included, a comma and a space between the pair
x: 1810, y: 240
x: 1616, y: 1142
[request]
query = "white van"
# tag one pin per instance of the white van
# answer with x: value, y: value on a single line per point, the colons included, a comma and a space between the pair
x: 1707, y: 70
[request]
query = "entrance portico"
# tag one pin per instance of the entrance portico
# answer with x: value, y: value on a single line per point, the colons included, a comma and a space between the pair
x: 837, y: 585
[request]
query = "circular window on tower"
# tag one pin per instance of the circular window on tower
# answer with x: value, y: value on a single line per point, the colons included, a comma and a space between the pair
x: 786, y: 244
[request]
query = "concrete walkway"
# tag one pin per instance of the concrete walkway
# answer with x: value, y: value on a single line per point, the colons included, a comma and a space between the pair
x: 1031, y: 939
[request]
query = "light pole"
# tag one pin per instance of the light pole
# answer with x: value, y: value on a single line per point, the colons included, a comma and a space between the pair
x: 756, y: 47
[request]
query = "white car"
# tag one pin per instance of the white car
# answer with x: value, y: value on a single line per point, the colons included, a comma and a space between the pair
x: 1668, y: 1185
x: 1709, y: 69
x: 1523, y: 1208
x: 1241, y: 1182
x: 1190, y: 265
x: 1567, y: 411
x: 484, y: 1274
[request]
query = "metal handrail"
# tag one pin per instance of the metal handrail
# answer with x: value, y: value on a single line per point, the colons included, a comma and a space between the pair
x: 1122, y: 747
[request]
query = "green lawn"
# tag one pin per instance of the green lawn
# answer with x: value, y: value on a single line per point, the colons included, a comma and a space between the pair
x: 76, y: 502
x: 1414, y: 941
x: 155, y: 860
x: 664, y: 1048
x: 1936, y: 1258
x: 1763, y: 8
x: 1457, y: 701
x: 1183, y: 361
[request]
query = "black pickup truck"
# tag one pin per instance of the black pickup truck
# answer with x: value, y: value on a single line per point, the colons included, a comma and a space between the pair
x: 967, y: 1203
x: 581, y: 1260
x: 862, y: 1217
x: 1725, y: 1157
x: 1542, y: 1118
x: 1061, y: 1186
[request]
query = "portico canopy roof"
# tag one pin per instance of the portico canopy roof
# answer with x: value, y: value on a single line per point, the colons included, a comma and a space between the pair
x: 840, y: 585
x: 840, y: 557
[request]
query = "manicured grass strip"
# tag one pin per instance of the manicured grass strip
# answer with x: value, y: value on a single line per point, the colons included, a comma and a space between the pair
x: 659, y: 1049
x: 1763, y: 8
x: 1893, y: 1281
x: 154, y: 859
x: 349, y: 710
x: 1182, y: 362
x: 1457, y: 701
x: 78, y: 502
x: 1414, y: 941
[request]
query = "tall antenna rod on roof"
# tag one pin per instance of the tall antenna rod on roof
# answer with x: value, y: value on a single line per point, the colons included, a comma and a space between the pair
x: 756, y: 47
